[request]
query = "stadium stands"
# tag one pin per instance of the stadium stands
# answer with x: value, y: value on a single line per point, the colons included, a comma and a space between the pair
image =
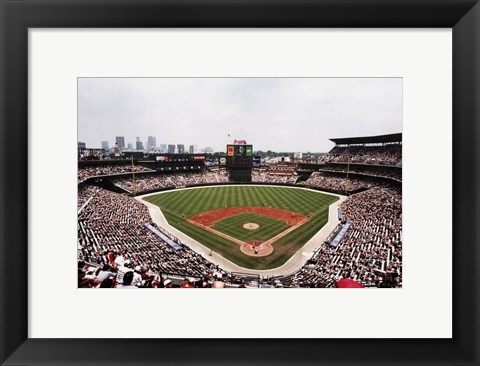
x: 274, y: 177
x: 370, y: 252
x: 372, y: 171
x: 369, y: 170
x: 101, y: 170
x: 148, y: 183
x: 113, y: 222
x: 372, y: 150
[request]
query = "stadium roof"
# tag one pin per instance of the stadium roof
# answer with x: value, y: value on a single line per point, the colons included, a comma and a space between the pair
x: 393, y: 137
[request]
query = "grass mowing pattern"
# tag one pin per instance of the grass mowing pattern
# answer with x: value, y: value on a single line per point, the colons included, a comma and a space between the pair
x: 233, y: 226
x: 191, y: 202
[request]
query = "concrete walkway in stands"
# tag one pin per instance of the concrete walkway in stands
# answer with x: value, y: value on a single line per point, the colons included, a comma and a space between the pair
x: 292, y: 265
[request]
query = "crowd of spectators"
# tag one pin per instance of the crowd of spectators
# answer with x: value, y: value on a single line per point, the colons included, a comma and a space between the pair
x: 146, y: 183
x: 85, y: 193
x: 392, y: 173
x: 217, y: 176
x: 339, y: 184
x: 377, y: 155
x: 93, y: 171
x: 266, y: 176
x: 371, y: 250
x: 121, y: 273
x: 113, y: 222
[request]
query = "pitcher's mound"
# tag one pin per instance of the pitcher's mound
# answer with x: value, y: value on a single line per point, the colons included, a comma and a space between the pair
x: 251, y: 226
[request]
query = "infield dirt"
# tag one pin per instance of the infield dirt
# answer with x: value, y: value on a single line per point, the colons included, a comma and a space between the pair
x: 209, y: 218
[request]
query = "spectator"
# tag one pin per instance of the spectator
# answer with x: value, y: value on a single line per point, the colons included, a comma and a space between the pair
x: 188, y: 283
x: 218, y: 283
x: 108, y: 283
x: 105, y: 273
x: 137, y: 277
x: 82, y: 281
x: 127, y: 281
x: 122, y: 271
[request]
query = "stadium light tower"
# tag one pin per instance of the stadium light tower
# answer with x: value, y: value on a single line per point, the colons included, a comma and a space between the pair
x: 133, y: 179
x: 346, y: 177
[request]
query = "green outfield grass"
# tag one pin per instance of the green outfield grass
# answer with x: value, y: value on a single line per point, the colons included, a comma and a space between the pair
x: 233, y: 226
x: 179, y: 205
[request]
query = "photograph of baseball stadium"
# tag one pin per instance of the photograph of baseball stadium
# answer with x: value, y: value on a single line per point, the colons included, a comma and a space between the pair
x: 239, y: 183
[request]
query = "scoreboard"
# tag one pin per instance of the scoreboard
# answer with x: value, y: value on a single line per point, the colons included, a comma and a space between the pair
x: 239, y: 162
x: 239, y: 156
x: 239, y: 150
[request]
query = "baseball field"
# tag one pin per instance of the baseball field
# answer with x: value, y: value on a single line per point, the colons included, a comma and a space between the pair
x: 256, y: 227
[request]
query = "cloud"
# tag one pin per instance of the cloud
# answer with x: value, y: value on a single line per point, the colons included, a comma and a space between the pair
x: 282, y: 114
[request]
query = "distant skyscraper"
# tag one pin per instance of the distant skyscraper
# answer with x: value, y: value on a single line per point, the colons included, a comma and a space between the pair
x: 81, y: 146
x: 120, y: 141
x: 163, y: 148
x: 139, y: 144
x: 191, y: 149
x: 180, y: 149
x: 130, y: 146
x: 171, y: 149
x: 105, y: 146
x: 152, y: 143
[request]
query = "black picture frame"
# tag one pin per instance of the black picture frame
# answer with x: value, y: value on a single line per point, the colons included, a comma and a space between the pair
x: 17, y: 16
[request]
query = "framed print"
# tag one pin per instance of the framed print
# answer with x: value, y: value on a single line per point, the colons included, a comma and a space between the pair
x: 206, y: 94
x: 62, y: 62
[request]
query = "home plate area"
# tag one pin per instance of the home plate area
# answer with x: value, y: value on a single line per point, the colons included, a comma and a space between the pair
x: 259, y: 246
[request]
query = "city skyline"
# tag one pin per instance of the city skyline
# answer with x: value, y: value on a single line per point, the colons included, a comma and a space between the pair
x: 278, y: 114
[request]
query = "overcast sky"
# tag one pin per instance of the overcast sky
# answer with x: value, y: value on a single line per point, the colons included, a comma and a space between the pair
x: 279, y: 114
